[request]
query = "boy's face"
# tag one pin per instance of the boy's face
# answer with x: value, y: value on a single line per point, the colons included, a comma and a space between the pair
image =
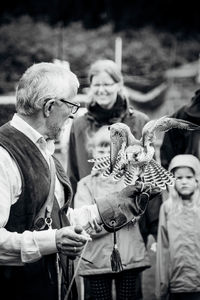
x: 100, y: 151
x: 186, y: 182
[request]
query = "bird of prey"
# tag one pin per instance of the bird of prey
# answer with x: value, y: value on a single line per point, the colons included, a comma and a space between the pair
x: 133, y: 159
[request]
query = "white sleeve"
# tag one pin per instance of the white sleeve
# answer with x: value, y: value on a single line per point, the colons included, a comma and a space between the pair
x: 18, y: 248
x: 85, y: 210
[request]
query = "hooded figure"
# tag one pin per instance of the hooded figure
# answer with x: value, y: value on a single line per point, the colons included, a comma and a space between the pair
x: 178, y: 141
x: 178, y: 246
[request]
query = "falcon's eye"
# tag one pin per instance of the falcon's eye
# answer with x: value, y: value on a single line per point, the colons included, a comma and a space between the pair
x: 108, y: 127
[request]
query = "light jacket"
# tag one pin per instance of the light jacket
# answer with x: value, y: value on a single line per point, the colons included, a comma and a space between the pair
x: 178, y: 250
x: 129, y: 240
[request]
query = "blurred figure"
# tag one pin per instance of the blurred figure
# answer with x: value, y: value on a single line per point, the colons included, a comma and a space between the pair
x: 108, y: 104
x: 178, y: 247
x: 98, y: 275
x: 178, y: 141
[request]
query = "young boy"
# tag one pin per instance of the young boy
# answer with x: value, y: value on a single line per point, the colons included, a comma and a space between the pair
x: 178, y: 246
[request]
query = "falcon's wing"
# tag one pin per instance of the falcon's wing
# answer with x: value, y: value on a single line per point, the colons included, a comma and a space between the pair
x: 164, y: 124
x: 121, y: 137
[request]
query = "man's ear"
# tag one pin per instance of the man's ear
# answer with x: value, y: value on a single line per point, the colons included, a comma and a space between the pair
x: 48, y: 107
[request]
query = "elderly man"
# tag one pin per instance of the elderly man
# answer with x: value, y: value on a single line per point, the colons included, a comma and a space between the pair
x: 38, y: 230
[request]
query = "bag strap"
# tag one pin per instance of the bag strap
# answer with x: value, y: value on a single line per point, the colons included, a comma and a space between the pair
x: 43, y: 217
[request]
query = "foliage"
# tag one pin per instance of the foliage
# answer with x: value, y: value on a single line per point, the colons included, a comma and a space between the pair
x: 22, y: 43
x: 147, y: 52
x: 169, y: 14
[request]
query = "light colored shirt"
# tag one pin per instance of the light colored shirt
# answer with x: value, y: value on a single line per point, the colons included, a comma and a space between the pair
x: 19, y: 248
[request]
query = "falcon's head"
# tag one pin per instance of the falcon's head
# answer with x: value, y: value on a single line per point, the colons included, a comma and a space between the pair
x: 119, y: 133
x: 135, y: 154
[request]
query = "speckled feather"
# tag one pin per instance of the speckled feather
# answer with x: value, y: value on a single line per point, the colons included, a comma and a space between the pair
x: 133, y: 159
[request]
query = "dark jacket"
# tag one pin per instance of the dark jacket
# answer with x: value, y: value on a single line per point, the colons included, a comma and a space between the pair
x: 179, y: 141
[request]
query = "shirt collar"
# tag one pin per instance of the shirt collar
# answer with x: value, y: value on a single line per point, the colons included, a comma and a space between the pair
x: 32, y: 134
x: 25, y: 128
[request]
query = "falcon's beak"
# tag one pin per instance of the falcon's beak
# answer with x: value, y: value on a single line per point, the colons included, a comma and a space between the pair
x: 129, y: 156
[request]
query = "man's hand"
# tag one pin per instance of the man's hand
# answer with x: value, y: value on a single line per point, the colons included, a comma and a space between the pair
x: 70, y: 240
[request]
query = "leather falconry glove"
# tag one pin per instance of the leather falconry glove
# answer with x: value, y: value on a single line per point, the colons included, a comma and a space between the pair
x: 119, y: 208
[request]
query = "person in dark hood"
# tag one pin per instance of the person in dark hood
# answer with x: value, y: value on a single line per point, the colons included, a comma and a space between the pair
x: 177, y: 141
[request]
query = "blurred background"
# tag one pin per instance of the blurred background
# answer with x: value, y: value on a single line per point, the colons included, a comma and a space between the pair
x: 156, y: 43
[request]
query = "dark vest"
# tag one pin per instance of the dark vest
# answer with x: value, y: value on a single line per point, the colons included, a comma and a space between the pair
x: 36, y: 280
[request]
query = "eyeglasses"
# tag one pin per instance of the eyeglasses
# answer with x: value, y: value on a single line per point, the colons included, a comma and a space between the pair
x: 73, y: 106
x: 104, y: 85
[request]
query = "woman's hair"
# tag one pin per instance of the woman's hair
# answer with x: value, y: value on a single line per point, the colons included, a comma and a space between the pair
x: 44, y: 81
x: 108, y: 66
x: 190, y: 161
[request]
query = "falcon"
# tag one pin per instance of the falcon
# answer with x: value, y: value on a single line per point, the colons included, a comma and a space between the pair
x: 133, y: 159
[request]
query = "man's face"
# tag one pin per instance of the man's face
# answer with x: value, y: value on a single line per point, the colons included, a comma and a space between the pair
x: 60, y: 112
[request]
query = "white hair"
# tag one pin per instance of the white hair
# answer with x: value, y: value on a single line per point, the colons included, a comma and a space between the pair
x: 44, y: 81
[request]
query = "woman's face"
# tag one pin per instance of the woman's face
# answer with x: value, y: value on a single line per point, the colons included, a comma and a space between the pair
x: 186, y: 182
x: 104, y: 90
